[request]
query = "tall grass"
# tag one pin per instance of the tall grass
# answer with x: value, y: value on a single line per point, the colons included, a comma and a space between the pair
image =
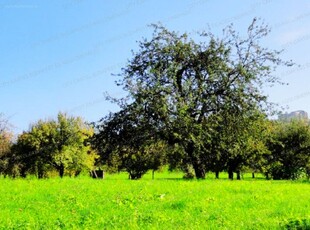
x: 163, y: 203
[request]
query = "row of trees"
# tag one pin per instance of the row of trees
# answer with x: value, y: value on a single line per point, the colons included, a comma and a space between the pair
x: 195, y: 106
x: 278, y: 149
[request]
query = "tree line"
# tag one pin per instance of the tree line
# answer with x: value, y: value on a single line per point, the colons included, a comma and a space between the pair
x: 195, y: 106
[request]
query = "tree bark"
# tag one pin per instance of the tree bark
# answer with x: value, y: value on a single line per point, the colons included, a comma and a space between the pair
x: 198, y: 167
x: 230, y: 174
x: 217, y: 175
x: 238, y: 175
x: 61, y: 170
x: 135, y: 176
x: 40, y: 173
x: 23, y: 173
x: 199, y: 171
x: 253, y: 175
x: 77, y: 173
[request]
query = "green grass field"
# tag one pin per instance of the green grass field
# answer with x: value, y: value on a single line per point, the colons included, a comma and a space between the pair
x: 167, y: 202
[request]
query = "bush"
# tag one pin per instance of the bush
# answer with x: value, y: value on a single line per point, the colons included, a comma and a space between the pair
x: 298, y: 224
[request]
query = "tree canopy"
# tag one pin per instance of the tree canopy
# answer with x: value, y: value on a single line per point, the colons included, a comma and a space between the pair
x: 127, y: 141
x: 290, y: 150
x: 60, y: 145
x: 196, y: 96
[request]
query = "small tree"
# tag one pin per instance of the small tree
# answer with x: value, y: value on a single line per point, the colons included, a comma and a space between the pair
x: 127, y: 141
x: 5, y: 144
x: 55, y: 144
x: 290, y: 150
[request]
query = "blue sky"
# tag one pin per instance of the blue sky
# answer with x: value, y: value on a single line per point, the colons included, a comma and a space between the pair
x: 59, y: 55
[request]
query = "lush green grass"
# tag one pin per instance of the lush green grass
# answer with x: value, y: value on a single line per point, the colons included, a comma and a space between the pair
x: 117, y: 203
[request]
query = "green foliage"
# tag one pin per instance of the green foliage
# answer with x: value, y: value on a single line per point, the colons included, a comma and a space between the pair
x: 297, y: 224
x: 195, y: 95
x: 126, y: 141
x: 6, y: 137
x: 290, y: 148
x: 54, y: 144
x: 238, y: 142
x: 5, y: 150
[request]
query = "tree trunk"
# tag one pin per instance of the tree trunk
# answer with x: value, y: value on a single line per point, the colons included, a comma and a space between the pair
x: 23, y: 173
x: 77, y: 173
x: 153, y: 173
x: 253, y: 175
x: 199, y: 171
x: 238, y: 175
x: 198, y: 167
x: 61, y: 170
x: 217, y: 175
x: 230, y: 174
x: 135, y: 175
x: 40, y: 170
x: 40, y: 174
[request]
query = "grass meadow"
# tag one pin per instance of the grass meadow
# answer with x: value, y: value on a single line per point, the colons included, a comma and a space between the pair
x: 167, y: 202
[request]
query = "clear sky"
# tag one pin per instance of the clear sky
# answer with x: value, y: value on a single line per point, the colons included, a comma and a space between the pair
x: 59, y: 55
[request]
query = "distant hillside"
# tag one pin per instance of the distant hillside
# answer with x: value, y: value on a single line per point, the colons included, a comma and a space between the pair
x: 299, y: 114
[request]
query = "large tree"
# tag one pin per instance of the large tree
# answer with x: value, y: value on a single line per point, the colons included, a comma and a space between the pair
x: 60, y: 144
x: 184, y: 86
